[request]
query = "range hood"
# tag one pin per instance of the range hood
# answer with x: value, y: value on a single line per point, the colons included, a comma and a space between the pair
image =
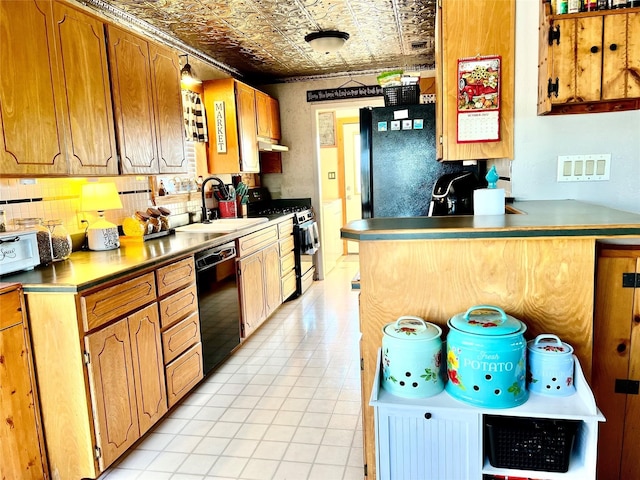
x: 265, y: 146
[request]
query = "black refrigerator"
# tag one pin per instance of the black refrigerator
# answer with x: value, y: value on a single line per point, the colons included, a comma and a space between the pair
x: 398, y: 160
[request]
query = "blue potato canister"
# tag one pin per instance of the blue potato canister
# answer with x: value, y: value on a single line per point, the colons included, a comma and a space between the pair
x: 486, y: 358
x: 412, y: 358
x: 550, y: 366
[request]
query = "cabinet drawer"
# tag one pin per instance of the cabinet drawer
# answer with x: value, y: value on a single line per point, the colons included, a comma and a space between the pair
x: 179, y: 305
x: 176, y: 275
x: 258, y: 240
x: 288, y: 285
x: 285, y: 229
x: 184, y: 373
x: 10, y: 308
x: 104, y: 305
x: 287, y: 263
x: 181, y: 336
x: 286, y: 245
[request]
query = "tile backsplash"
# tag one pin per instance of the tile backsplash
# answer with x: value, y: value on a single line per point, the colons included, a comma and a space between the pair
x: 59, y: 198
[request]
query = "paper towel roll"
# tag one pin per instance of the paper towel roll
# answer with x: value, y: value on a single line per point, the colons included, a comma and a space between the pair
x: 488, y: 201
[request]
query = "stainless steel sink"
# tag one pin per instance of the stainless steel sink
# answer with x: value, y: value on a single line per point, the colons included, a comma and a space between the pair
x: 223, y: 225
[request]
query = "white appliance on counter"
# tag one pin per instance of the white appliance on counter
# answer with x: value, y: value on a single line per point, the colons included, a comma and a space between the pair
x: 18, y: 251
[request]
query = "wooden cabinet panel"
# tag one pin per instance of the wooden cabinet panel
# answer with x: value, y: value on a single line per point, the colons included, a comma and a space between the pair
x: 148, y: 372
x: 82, y: 52
x: 285, y: 228
x: 274, y: 110
x: 21, y: 447
x: 112, y: 302
x: 621, y: 56
x: 132, y: 101
x: 167, y: 101
x: 175, y: 275
x: 616, y: 345
x: 267, y: 116
x: 255, y: 241
x: 11, y: 308
x: 180, y: 337
x: 184, y: 373
x: 272, y: 279
x: 178, y: 306
x: 287, y: 262
x: 31, y: 93
x: 114, y: 397
x: 489, y: 29
x: 252, y: 297
x: 288, y: 284
x: 263, y: 115
x: 245, y: 98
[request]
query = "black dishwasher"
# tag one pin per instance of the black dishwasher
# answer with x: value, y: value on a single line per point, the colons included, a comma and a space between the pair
x: 218, y: 303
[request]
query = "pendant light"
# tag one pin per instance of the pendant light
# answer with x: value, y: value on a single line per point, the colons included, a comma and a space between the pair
x: 328, y: 41
x: 187, y: 76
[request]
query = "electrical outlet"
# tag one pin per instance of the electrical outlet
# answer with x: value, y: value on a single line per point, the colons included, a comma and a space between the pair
x: 332, y: 175
x: 584, y: 168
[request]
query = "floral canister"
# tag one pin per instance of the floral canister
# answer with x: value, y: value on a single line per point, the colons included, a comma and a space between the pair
x: 412, y: 358
x: 486, y: 358
x: 550, y: 366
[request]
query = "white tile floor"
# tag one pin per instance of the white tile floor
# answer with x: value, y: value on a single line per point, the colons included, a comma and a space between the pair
x: 285, y: 406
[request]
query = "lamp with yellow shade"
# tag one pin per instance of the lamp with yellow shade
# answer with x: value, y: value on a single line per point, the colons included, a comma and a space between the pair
x: 102, y: 234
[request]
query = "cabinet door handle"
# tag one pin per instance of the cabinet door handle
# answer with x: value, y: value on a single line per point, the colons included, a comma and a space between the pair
x: 427, y: 416
x: 621, y: 348
x: 613, y: 47
x: 595, y: 49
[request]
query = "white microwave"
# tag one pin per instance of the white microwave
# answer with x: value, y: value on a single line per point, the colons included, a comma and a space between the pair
x: 18, y: 251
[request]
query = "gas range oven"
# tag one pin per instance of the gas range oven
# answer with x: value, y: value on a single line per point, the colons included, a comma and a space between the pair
x: 305, y: 231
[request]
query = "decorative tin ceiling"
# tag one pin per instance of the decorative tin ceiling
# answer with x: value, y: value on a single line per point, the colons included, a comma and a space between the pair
x: 263, y: 40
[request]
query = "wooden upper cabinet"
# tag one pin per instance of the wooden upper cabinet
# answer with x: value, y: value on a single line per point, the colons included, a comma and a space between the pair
x: 231, y: 109
x: 83, y: 60
x: 263, y: 115
x: 133, y: 102
x: 167, y: 101
x: 245, y: 98
x: 31, y: 93
x: 267, y: 116
x: 274, y: 110
x: 486, y: 29
x: 588, y: 61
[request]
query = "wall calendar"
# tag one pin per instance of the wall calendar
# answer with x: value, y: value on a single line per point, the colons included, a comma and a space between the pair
x: 479, y: 99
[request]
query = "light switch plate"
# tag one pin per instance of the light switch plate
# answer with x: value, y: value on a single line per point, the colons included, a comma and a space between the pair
x: 584, y: 168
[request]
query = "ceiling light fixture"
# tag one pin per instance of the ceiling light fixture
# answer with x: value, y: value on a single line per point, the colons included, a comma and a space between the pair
x: 187, y: 76
x: 328, y: 41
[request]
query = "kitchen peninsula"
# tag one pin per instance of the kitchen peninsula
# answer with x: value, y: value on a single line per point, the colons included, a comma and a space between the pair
x: 538, y: 265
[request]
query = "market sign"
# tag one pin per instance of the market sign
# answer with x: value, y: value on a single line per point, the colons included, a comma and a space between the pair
x: 362, y: 91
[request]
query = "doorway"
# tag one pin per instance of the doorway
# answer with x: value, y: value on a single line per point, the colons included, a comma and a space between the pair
x: 348, y: 130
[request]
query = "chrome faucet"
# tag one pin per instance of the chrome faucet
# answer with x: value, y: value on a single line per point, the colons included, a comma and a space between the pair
x: 223, y: 190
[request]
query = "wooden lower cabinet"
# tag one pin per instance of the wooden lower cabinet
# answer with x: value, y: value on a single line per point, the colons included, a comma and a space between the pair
x: 123, y: 353
x: 616, y: 346
x: 126, y: 373
x: 260, y: 287
x: 184, y: 373
x: 22, y: 454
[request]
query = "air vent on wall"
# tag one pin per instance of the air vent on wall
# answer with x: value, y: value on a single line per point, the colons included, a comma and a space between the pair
x: 418, y: 45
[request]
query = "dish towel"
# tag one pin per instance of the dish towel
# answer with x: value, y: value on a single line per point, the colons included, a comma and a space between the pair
x: 195, y: 118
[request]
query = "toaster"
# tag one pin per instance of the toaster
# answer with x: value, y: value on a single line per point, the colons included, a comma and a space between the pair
x: 18, y: 251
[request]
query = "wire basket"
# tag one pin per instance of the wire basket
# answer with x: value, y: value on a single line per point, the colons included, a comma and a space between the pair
x: 401, y: 95
x: 530, y: 443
